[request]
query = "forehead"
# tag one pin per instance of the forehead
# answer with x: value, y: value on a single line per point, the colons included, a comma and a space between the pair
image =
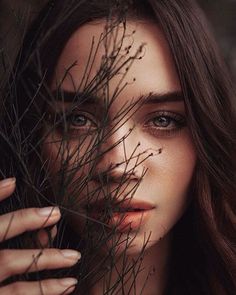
x: 136, y: 54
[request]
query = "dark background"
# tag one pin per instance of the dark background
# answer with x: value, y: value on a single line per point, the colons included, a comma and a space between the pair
x: 16, y: 14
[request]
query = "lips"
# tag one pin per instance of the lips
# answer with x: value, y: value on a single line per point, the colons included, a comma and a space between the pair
x: 125, y: 215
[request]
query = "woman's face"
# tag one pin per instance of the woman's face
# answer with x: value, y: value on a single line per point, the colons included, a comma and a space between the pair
x: 146, y: 156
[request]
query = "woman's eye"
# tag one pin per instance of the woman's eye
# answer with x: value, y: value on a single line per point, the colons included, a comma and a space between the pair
x: 78, y: 120
x: 162, y: 121
x: 75, y: 122
x: 165, y: 123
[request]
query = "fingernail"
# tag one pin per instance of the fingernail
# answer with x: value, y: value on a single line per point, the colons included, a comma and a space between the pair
x: 71, y: 254
x: 7, y: 182
x: 68, y: 282
x: 49, y: 211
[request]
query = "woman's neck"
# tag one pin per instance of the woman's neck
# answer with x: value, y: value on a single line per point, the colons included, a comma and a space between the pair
x: 145, y: 274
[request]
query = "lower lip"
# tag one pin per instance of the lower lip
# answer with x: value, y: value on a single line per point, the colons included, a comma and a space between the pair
x: 129, y: 221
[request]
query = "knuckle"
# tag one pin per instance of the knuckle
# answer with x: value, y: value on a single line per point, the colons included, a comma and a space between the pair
x: 43, y: 259
x: 22, y: 214
x: 47, y: 257
x: 37, y: 257
x: 25, y: 216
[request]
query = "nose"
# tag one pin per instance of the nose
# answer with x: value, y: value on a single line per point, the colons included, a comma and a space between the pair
x: 119, y: 156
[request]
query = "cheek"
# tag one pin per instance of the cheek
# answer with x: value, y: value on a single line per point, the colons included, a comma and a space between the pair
x: 174, y: 166
x: 67, y: 154
x: 170, y: 176
x: 50, y: 153
x: 182, y: 157
x: 56, y: 153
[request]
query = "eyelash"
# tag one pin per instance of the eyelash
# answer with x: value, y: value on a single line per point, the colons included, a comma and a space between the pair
x: 73, y: 128
x: 171, y: 117
x: 150, y: 127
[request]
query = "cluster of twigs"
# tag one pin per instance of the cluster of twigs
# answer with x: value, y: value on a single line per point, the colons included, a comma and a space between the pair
x: 78, y: 155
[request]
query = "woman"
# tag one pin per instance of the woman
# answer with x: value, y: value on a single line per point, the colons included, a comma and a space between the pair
x: 120, y: 113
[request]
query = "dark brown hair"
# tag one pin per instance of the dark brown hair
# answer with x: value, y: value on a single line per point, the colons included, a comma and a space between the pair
x: 204, y: 254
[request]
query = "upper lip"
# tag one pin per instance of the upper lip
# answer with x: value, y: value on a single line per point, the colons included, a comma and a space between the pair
x: 120, y: 206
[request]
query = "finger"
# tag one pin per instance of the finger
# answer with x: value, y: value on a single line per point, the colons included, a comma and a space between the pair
x: 44, y: 238
x: 15, y: 262
x: 45, y: 287
x: 7, y: 187
x: 20, y: 221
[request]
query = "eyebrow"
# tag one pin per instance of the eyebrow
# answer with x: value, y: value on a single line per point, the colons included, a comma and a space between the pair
x: 71, y: 96
x: 153, y: 97
x: 89, y: 98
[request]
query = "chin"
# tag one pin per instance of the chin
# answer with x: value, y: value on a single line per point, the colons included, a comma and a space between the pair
x: 119, y: 240
x: 128, y: 244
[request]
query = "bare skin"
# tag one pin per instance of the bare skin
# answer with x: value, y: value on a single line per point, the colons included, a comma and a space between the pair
x: 17, y: 261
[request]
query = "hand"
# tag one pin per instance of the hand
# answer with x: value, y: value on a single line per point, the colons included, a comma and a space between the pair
x: 15, y: 262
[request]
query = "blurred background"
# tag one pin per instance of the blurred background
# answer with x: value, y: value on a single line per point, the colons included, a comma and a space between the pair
x: 15, y: 15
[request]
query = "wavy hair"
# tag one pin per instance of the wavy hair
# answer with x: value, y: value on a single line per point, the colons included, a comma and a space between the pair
x: 204, y: 254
